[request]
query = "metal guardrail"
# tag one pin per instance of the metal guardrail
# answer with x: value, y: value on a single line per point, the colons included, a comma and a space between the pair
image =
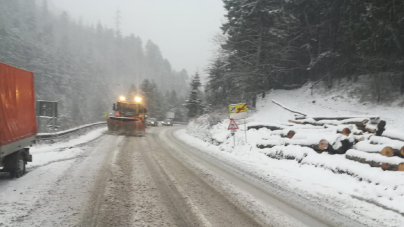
x: 180, y: 122
x: 47, y: 136
x: 44, y: 136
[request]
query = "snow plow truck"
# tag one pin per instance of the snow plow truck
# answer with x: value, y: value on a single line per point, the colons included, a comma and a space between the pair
x: 129, y: 117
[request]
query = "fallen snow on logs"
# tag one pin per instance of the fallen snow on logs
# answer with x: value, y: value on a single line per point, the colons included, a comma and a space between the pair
x: 376, y: 160
x: 394, y: 134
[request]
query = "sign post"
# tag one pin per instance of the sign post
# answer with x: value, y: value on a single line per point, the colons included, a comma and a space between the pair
x: 233, y: 127
x: 49, y: 110
x: 239, y: 111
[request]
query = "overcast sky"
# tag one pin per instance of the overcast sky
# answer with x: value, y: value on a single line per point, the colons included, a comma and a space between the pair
x: 183, y: 29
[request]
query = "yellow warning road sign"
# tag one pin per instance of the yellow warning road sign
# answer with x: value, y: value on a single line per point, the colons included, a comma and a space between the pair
x: 238, y: 111
x: 238, y: 108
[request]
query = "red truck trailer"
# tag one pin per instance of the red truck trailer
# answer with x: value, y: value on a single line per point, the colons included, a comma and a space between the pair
x: 18, y: 127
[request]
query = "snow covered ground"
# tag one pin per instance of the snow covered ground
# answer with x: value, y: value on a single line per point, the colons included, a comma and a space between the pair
x: 370, y: 195
x: 325, y: 103
x: 50, y: 177
x: 44, y: 154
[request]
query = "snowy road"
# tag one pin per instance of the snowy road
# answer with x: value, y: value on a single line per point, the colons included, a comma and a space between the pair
x: 155, y: 180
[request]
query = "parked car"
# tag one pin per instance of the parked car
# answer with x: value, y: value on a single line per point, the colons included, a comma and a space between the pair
x: 152, y: 122
x: 167, y: 122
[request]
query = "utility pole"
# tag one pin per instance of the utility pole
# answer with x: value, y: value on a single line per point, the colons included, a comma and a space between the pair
x: 118, y: 18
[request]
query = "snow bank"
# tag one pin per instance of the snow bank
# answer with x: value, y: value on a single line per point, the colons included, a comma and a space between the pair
x: 199, y: 128
x: 47, y: 153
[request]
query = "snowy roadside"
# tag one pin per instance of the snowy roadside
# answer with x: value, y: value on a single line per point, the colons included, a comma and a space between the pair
x: 341, y: 193
x: 44, y: 154
x: 57, y: 184
x: 370, y: 195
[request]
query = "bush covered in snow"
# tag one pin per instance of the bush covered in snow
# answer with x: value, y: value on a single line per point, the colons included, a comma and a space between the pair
x: 199, y: 128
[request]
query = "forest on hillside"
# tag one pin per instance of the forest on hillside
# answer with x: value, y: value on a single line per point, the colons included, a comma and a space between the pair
x: 283, y: 44
x: 83, y: 67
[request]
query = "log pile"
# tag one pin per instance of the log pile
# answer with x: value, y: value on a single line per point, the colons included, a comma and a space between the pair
x: 376, y: 160
x: 271, y: 127
x: 359, y: 138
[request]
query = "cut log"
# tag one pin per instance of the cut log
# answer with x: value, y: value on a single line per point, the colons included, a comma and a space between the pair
x: 385, y: 166
x: 341, y: 118
x: 308, y: 122
x: 394, y: 134
x: 346, y: 131
x: 299, y: 117
x: 397, y: 145
x: 376, y: 160
x: 271, y: 127
x: 381, y: 127
x: 367, y: 147
x: 371, y: 128
x: 399, y: 152
x: 359, y: 138
x: 290, y: 153
x: 288, y: 109
x: 323, y: 145
x: 262, y: 146
x: 390, y: 152
x: 296, y: 122
x: 387, y: 151
x: 290, y: 134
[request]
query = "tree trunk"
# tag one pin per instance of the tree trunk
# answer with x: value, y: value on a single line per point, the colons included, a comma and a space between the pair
x: 376, y: 161
x: 402, y: 83
x: 254, y: 100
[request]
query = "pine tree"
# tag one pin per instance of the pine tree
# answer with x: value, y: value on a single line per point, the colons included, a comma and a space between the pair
x: 133, y: 93
x: 194, y: 102
x: 83, y: 67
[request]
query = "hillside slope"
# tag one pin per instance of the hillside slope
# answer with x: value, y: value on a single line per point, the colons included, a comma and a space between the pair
x: 339, y: 101
x: 353, y: 189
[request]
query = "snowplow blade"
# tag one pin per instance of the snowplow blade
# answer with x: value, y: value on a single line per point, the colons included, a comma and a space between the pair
x: 126, y: 126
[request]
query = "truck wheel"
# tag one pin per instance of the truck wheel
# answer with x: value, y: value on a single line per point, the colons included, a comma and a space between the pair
x: 19, y: 169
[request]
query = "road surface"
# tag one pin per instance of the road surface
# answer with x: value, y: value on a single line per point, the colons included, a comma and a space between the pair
x: 154, y: 180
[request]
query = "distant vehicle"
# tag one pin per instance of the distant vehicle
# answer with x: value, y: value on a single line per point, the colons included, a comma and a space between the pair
x: 152, y: 122
x: 167, y: 122
x: 170, y: 115
x: 18, y: 121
